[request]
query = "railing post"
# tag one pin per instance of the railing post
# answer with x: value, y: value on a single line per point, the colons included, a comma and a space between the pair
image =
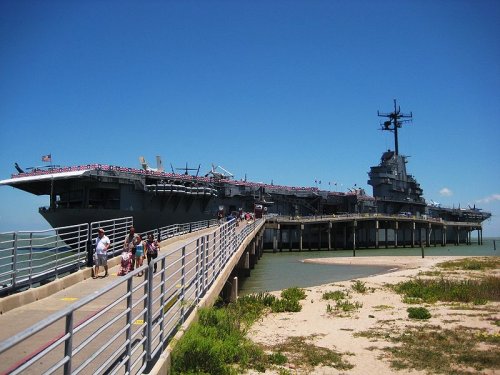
x: 130, y: 302
x: 197, y: 270
x: 205, y: 261
x: 30, y: 277
x: 147, y: 306
x: 183, y: 281
x: 149, y: 316
x: 14, y: 265
x: 79, y: 246
x: 89, y: 248
x: 68, y: 343
x: 57, y: 254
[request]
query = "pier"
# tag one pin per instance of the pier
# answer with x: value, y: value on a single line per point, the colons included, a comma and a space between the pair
x: 127, y: 324
x: 124, y: 324
x: 364, y: 231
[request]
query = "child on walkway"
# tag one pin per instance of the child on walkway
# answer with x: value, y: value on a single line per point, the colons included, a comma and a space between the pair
x: 139, y: 254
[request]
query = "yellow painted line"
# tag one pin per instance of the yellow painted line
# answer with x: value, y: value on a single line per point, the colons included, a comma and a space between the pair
x: 69, y: 299
x: 139, y: 321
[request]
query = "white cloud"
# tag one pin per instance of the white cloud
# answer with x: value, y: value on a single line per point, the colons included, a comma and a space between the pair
x: 491, y: 198
x: 445, y: 192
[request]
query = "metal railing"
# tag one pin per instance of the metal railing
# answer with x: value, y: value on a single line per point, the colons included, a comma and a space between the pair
x: 122, y: 327
x: 28, y: 258
x: 179, y: 229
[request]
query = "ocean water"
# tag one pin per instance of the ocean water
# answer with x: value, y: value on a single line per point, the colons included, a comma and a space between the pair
x: 277, y: 271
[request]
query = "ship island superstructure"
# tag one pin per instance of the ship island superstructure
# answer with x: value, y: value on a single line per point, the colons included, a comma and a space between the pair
x: 398, y: 192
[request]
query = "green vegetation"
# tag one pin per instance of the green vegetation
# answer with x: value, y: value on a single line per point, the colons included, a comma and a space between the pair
x: 342, y: 302
x: 216, y: 344
x: 430, y: 291
x: 418, y: 313
x: 306, y: 355
x: 359, y: 286
x: 441, y: 351
x: 293, y: 293
x: 472, y: 264
x: 335, y: 295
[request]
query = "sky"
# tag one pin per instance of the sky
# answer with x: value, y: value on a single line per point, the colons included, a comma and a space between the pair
x: 277, y: 91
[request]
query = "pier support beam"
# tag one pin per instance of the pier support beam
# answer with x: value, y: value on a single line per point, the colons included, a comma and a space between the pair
x: 413, y: 234
x: 233, y: 296
x: 301, y: 230
x: 329, y: 235
x: 319, y: 236
x: 376, y: 234
x: 396, y: 229
x: 354, y: 228
x: 345, y: 236
x: 275, y: 238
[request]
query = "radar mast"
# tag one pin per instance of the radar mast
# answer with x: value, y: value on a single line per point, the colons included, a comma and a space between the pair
x: 394, y: 122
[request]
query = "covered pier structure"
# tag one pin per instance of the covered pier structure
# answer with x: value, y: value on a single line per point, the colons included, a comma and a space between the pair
x: 358, y: 231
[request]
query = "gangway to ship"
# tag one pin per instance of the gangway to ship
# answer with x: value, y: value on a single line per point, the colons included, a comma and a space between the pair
x: 122, y: 324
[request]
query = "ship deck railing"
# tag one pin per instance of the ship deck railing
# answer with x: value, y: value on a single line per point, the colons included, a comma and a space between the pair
x: 370, y: 216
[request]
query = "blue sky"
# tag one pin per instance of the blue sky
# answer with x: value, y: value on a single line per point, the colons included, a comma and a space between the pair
x: 282, y: 91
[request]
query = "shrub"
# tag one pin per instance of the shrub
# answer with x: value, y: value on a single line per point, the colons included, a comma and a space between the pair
x: 286, y: 305
x: 346, y: 305
x: 216, y: 344
x: 277, y: 358
x: 335, y: 295
x: 431, y: 291
x: 293, y: 293
x: 359, y: 286
x: 418, y: 313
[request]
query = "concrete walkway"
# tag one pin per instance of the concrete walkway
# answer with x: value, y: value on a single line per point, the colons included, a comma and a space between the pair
x: 22, y: 310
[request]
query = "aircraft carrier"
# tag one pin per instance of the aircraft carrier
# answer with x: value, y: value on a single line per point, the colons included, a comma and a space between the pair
x: 156, y: 198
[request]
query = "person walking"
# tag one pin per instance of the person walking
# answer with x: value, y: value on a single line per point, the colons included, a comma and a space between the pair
x: 102, y: 245
x: 152, y: 249
x: 139, y: 254
x: 130, y: 243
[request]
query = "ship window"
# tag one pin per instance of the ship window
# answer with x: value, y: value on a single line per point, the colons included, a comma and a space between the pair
x: 104, y: 198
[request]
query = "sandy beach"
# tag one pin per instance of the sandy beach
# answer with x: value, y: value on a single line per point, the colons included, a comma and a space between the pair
x: 380, y: 310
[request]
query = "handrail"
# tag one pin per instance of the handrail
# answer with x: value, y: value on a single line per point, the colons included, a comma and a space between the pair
x: 28, y: 258
x: 127, y: 333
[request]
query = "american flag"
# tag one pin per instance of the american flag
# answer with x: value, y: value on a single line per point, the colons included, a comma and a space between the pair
x: 47, y: 158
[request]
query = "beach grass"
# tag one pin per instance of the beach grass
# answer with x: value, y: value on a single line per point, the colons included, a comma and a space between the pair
x: 301, y: 352
x: 467, y: 291
x: 217, y: 342
x: 472, y: 264
x: 439, y: 351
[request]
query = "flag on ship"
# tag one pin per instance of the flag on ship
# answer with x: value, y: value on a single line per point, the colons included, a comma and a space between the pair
x: 47, y: 158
